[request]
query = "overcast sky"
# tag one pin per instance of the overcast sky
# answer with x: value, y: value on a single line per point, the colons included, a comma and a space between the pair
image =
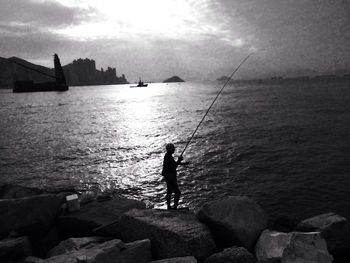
x: 195, y: 39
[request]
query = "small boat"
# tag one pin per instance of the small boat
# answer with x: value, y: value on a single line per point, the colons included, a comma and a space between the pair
x: 140, y: 84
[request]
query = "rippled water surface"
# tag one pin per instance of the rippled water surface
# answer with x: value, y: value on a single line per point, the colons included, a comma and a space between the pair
x: 287, y: 145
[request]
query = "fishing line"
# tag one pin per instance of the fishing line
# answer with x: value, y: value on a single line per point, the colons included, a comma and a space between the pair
x: 211, y: 105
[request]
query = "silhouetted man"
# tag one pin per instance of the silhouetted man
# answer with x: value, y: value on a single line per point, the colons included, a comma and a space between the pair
x: 170, y: 175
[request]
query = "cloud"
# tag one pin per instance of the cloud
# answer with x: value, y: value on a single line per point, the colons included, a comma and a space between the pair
x: 41, y: 13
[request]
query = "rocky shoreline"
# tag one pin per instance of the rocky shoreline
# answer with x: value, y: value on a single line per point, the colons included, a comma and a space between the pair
x: 38, y: 227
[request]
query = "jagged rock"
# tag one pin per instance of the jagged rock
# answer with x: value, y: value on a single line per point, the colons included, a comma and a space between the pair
x: 334, y: 229
x: 177, y: 260
x: 72, y: 244
x: 270, y: 246
x: 172, y: 233
x: 14, y: 248
x: 107, y: 252
x: 96, y: 214
x: 11, y: 191
x: 236, y: 220
x: 30, y: 214
x: 306, y: 248
x: 232, y: 255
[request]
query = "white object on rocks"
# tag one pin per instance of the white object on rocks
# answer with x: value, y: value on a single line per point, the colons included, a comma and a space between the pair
x: 270, y: 245
x: 73, y: 203
x: 334, y: 229
x: 306, y: 248
x: 172, y: 233
x: 236, y: 220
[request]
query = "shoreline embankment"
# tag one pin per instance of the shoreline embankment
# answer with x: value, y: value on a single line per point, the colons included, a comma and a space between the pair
x: 69, y: 227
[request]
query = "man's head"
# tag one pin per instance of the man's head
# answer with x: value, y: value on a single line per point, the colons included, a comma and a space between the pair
x: 170, y: 148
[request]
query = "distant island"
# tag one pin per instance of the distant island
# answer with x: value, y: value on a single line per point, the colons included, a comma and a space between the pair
x: 173, y: 79
x: 80, y: 72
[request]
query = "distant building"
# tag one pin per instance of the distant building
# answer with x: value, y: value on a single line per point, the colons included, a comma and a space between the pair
x: 83, y: 72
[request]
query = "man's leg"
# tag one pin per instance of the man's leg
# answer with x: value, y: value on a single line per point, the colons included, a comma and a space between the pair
x: 177, y: 195
x: 168, y: 193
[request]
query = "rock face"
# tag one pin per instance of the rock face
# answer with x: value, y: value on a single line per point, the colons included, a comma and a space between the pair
x: 87, y: 250
x: 172, y: 233
x: 334, y: 229
x: 232, y: 255
x: 173, y: 79
x: 72, y: 244
x: 29, y: 214
x: 14, y: 248
x: 236, y: 220
x: 96, y: 214
x: 9, y: 191
x: 306, y: 248
x: 270, y: 246
x: 177, y: 260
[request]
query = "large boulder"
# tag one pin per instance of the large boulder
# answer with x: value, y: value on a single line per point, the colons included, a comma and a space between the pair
x: 270, y: 246
x: 306, y: 248
x: 334, y: 229
x: 72, y: 244
x: 232, y: 255
x: 172, y: 233
x: 188, y: 259
x: 30, y: 214
x: 96, y: 214
x: 107, y: 252
x: 14, y: 248
x: 11, y: 191
x: 236, y: 220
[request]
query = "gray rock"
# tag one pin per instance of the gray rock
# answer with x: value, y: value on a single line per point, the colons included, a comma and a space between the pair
x: 236, y: 220
x: 270, y: 246
x: 232, y: 255
x: 30, y: 214
x: 334, y: 229
x: 72, y: 244
x: 177, y: 260
x: 107, y: 252
x: 306, y: 248
x: 14, y: 248
x: 96, y: 214
x: 172, y: 233
x: 11, y: 191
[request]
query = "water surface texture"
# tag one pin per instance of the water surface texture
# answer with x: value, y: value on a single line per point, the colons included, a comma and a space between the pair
x: 285, y: 144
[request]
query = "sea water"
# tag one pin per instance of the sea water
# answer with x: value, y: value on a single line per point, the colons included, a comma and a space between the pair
x: 284, y: 143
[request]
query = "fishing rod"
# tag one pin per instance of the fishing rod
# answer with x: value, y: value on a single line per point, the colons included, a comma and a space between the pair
x: 211, y: 105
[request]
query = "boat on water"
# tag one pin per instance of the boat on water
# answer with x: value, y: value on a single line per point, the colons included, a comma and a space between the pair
x: 140, y: 84
x: 58, y: 85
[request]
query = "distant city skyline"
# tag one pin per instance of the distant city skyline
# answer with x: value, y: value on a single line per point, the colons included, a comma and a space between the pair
x: 195, y: 40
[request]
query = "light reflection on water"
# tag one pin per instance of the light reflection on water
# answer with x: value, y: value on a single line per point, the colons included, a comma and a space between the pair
x: 285, y: 145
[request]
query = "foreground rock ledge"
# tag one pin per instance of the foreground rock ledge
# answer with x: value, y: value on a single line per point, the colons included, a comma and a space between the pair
x: 172, y: 233
x: 90, y: 250
x: 96, y: 214
x: 236, y: 220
